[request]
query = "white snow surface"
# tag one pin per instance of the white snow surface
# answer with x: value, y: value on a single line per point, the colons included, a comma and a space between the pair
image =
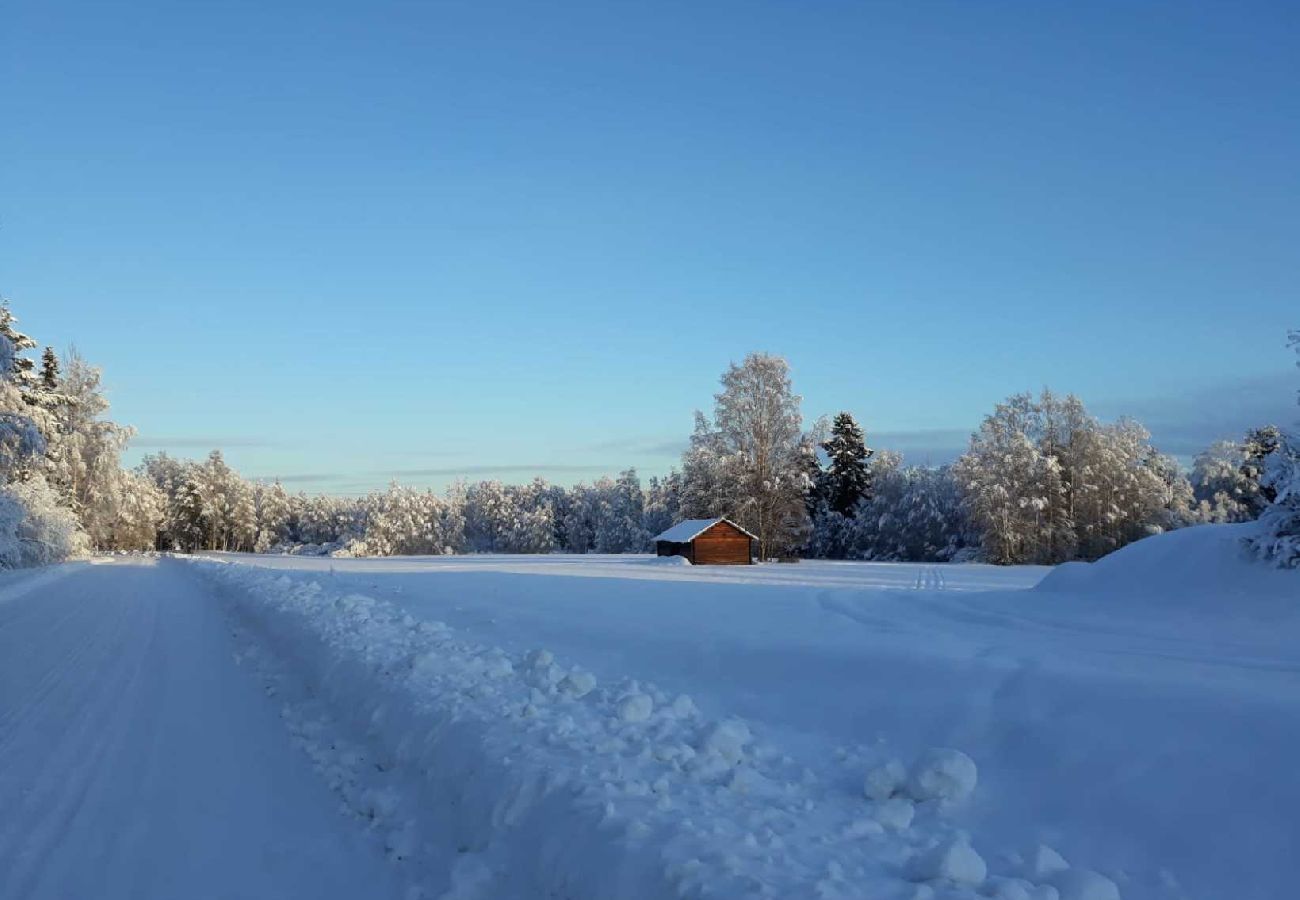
x: 513, y: 727
x: 1139, y: 714
x: 137, y: 760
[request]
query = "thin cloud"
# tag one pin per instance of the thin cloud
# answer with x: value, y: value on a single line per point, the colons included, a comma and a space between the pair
x: 302, y: 479
x: 651, y: 445
x: 923, y: 446
x: 504, y: 469
x: 1185, y: 423
x: 198, y: 443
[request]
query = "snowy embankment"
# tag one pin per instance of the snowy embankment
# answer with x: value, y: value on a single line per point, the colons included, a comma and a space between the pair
x: 495, y: 775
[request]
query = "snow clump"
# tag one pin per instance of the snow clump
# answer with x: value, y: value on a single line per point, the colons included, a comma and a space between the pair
x: 635, y: 708
x: 885, y: 781
x: 954, y: 860
x: 578, y: 683
x: 1043, y: 862
x: 1019, y: 889
x: 1084, y: 884
x: 895, y: 813
x: 727, y: 741
x: 946, y: 775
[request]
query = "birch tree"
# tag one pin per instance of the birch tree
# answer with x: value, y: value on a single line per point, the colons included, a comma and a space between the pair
x: 757, y: 426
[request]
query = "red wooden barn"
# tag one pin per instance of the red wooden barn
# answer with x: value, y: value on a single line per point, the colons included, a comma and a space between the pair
x: 707, y: 542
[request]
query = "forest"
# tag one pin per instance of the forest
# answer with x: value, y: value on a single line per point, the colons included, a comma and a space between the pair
x: 1042, y: 482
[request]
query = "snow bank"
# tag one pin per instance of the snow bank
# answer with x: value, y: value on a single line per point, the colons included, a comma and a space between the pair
x: 536, y: 779
x: 669, y: 561
x: 1208, y: 563
x: 35, y: 528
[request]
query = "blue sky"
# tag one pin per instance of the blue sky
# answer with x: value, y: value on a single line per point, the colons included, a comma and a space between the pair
x: 354, y: 241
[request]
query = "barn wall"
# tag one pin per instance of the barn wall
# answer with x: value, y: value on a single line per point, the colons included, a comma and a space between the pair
x: 722, y: 544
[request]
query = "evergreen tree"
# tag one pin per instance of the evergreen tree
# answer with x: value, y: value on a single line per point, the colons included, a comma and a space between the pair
x: 847, y: 479
x: 49, y: 370
x: 21, y: 368
x: 1260, y: 443
x: 1222, y: 490
x: 1278, y: 539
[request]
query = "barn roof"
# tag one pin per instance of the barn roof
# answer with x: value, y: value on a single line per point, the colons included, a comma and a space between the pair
x: 689, y: 529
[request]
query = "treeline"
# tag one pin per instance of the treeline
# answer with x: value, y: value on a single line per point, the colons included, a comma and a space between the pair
x: 1042, y: 482
x: 209, y: 506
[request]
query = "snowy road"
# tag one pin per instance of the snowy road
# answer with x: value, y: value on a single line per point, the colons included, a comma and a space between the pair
x: 137, y: 760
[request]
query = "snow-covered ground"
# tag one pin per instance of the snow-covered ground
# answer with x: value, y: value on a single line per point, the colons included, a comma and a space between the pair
x: 497, y: 727
x: 138, y: 761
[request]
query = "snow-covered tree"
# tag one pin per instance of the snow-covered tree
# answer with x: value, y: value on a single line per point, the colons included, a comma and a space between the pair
x: 408, y: 522
x: 663, y: 503
x: 621, y: 511
x: 275, y: 518
x: 847, y: 478
x: 582, y: 512
x: 912, y: 514
x: 20, y: 369
x: 1223, y: 490
x: 1279, y: 537
x: 211, y: 508
x: 1259, y: 444
x: 931, y: 527
x: 49, y: 370
x: 134, y: 515
x: 1044, y: 482
x: 35, y: 528
x: 747, y: 463
x: 180, y: 527
x: 23, y: 443
x: 503, y: 518
x: 1014, y: 493
x: 85, y: 450
x: 532, y: 527
x: 710, y: 479
x: 242, y: 512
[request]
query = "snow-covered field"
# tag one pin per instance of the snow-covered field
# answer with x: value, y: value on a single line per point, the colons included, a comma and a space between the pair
x: 499, y: 727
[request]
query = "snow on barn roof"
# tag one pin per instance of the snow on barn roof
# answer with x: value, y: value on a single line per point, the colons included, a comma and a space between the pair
x: 690, y: 529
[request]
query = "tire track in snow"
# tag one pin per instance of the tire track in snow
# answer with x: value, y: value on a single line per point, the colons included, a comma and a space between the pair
x: 81, y: 745
x: 138, y: 763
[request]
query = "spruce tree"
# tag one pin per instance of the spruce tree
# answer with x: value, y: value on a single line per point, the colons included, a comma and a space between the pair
x: 49, y: 370
x: 22, y: 366
x: 815, y: 477
x: 847, y: 479
x: 1260, y: 443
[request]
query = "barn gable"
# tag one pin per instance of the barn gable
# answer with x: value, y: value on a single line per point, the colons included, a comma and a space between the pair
x: 689, y: 529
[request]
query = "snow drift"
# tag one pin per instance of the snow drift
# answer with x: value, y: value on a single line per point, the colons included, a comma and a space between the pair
x: 496, y: 775
x: 1208, y: 562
